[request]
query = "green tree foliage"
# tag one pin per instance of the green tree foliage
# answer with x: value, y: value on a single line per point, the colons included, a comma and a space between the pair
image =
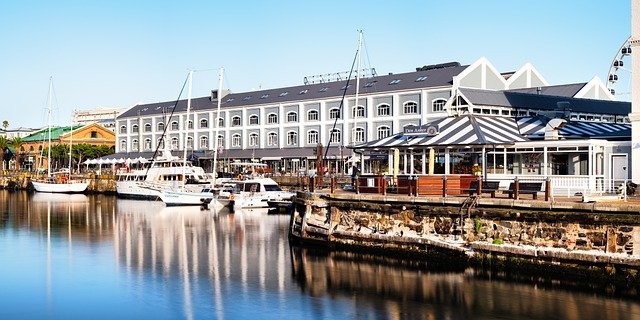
x: 16, y: 143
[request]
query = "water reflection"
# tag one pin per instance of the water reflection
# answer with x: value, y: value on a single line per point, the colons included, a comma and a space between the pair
x: 76, y: 256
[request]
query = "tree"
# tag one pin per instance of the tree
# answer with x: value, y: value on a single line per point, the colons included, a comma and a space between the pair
x: 5, y: 124
x: 16, y: 143
x: 4, y: 146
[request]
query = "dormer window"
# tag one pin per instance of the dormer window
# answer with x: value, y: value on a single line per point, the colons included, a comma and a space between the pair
x: 264, y: 96
x: 395, y: 81
x: 304, y: 91
x: 284, y: 93
x: 421, y: 78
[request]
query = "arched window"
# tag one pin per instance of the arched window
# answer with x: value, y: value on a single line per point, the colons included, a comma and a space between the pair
x: 438, y: 104
x: 189, y: 142
x: 384, y: 110
x: 410, y: 107
x: 220, y: 142
x: 174, y: 143
x: 190, y: 124
x: 312, y: 115
x: 204, y: 142
x: 236, y: 121
x: 358, y: 134
x: 292, y: 117
x: 272, y: 139
x: 220, y: 122
x: 31, y: 149
x: 174, y: 125
x: 312, y: 137
x: 254, y: 120
x: 357, y: 112
x: 253, y: 139
x: 147, y: 127
x: 336, y: 136
x: 236, y: 140
x: 147, y: 144
x: 160, y: 143
x: 204, y: 123
x: 123, y: 129
x: 292, y: 138
x: 134, y: 145
x: 134, y: 128
x: 123, y: 145
x: 272, y: 118
x: 383, y: 132
x: 334, y: 113
x: 160, y: 127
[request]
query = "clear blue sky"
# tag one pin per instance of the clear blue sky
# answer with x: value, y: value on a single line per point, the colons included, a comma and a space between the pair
x: 119, y: 53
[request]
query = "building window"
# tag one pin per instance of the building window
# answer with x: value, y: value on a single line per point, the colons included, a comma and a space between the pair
x: 272, y: 139
x: 358, y: 112
x: 204, y: 123
x: 134, y: 128
x: 438, y: 105
x: 395, y: 81
x: 410, y: 107
x: 336, y: 136
x: 94, y: 134
x: 384, y: 110
x: 189, y: 142
x: 134, y: 145
x: 174, y: 126
x: 123, y: 129
x: 358, y: 135
x: 292, y: 138
x: 190, y: 124
x: 220, y: 142
x: 383, y: 132
x: 123, y: 145
x: 334, y: 113
x: 235, y: 121
x: 254, y: 120
x: 160, y: 143
x: 236, y: 140
x: 160, y: 127
x: 147, y: 127
x: 272, y: 118
x: 147, y: 144
x: 292, y: 117
x: 253, y: 140
x: 312, y: 115
x: 174, y: 143
x: 204, y: 142
x: 312, y: 137
x: 220, y: 122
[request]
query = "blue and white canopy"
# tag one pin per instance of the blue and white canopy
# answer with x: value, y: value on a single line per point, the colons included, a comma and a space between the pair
x: 534, y: 127
x: 454, y: 131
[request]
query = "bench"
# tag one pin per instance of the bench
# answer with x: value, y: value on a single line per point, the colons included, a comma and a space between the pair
x: 487, y: 187
x: 531, y: 188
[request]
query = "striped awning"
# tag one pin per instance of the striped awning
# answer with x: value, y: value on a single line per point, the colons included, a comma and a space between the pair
x: 455, y: 131
x: 534, y: 127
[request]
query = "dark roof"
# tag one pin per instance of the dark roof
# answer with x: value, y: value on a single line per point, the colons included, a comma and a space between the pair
x: 440, y: 77
x: 563, y: 90
x: 544, y: 102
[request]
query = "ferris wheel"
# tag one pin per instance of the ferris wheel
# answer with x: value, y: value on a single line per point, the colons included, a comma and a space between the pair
x: 619, y: 77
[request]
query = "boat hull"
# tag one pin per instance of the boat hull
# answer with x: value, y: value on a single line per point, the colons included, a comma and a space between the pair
x: 183, y: 198
x: 70, y: 187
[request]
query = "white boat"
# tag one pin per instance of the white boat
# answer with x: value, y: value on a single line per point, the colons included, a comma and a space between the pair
x: 257, y: 193
x: 62, y: 181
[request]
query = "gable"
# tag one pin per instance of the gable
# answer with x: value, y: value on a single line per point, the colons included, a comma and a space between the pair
x: 481, y: 75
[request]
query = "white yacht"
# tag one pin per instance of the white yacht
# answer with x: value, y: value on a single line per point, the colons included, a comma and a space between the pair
x: 256, y: 193
x: 165, y: 172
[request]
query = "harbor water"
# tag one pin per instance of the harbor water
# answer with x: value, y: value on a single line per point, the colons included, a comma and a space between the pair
x: 100, y: 257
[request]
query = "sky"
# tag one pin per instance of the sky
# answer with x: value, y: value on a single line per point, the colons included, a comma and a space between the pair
x: 118, y: 53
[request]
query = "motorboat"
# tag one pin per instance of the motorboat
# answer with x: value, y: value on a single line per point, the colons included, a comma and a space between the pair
x: 256, y: 192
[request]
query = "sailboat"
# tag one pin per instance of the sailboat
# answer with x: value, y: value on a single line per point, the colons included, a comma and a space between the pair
x: 180, y: 195
x: 61, y: 181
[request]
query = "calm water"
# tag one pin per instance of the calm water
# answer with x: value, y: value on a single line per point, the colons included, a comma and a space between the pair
x: 98, y: 257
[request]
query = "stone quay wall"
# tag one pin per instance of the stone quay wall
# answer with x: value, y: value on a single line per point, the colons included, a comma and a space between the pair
x: 104, y: 183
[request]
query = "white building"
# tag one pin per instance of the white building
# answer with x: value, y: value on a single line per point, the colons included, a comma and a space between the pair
x: 103, y: 116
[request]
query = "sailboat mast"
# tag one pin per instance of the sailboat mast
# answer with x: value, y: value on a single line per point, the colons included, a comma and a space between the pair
x: 186, y: 130
x: 358, y: 91
x: 70, y: 146
x: 215, y: 144
x: 49, y: 127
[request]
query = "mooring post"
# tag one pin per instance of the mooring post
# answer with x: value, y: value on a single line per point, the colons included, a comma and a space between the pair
x: 479, y: 181
x: 444, y: 186
x: 516, y: 188
x: 547, y: 189
x: 357, y: 185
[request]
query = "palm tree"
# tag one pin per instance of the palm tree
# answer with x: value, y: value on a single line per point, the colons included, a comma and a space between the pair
x: 4, y: 144
x: 5, y: 124
x: 16, y: 143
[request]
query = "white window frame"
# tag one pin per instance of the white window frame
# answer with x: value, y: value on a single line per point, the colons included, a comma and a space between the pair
x: 313, y: 137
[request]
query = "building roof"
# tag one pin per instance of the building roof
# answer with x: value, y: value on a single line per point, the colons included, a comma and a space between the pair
x: 56, y: 132
x: 543, y: 102
x: 431, y: 78
x: 534, y: 127
x: 563, y: 90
